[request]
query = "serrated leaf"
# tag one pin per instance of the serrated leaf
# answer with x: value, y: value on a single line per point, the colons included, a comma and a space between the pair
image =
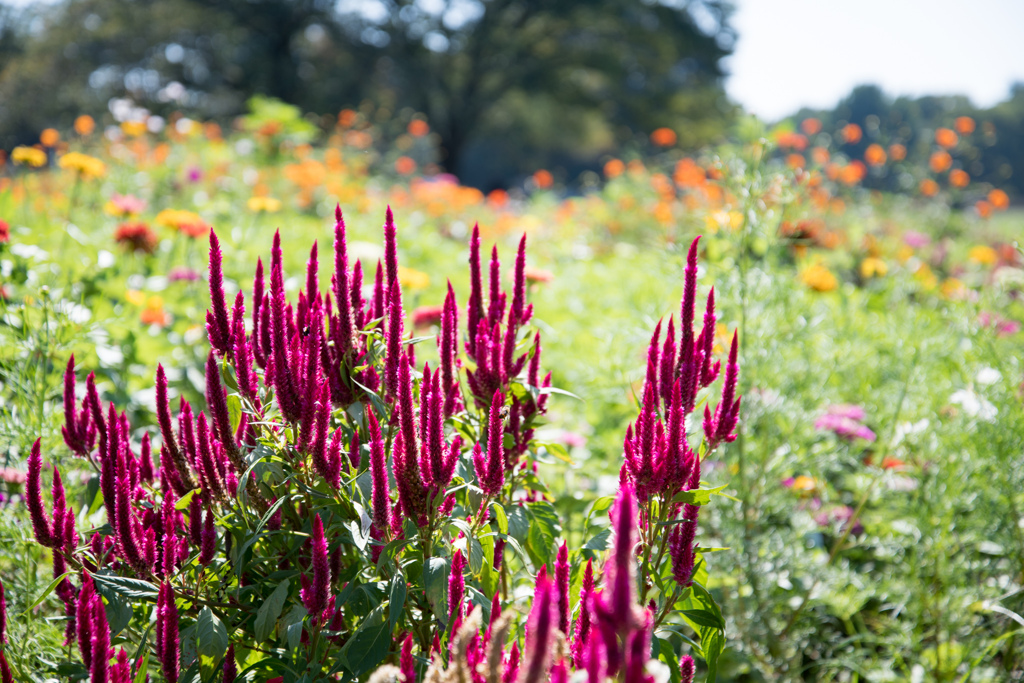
x: 696, y: 496
x: 269, y: 611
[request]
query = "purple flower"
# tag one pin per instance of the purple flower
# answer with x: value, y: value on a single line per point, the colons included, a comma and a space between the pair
x: 34, y: 499
x: 687, y: 669
x: 182, y: 274
x: 406, y: 661
x: 917, y: 240
x: 3, y: 614
x: 208, y: 540
x: 167, y: 632
x: 845, y: 422
x: 342, y: 288
x: 217, y: 327
x: 540, y: 631
x: 581, y: 636
x: 456, y: 586
x: 315, y: 597
x: 490, y: 472
x: 562, y: 586
x: 379, y: 474
x: 100, y: 642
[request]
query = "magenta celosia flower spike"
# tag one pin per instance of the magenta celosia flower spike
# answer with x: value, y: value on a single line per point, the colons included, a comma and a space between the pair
x: 581, y: 635
x: 127, y: 527
x: 208, y: 545
x: 342, y: 291
x: 167, y: 633
x: 448, y: 350
x: 76, y: 429
x: 619, y: 572
x: 406, y: 662
x: 230, y: 667
x: 257, y: 314
x: 490, y: 470
x: 217, y: 320
x: 562, y: 586
x: 722, y: 426
x: 316, y: 596
x: 247, y: 379
x: 390, y: 248
x: 456, y: 586
x: 34, y: 499
x: 217, y: 401
x: 100, y: 644
x: 394, y: 356
x: 287, y: 392
x: 687, y: 669
x: 519, y: 312
x: 175, y: 458
x: 540, y: 631
x: 379, y: 475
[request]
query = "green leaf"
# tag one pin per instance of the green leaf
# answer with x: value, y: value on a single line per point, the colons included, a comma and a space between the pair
x: 703, y: 617
x: 544, y: 529
x: 559, y: 451
x: 435, y: 583
x: 133, y: 589
x: 269, y: 611
x: 396, y: 600
x: 49, y: 589
x: 184, y: 501
x: 211, y: 635
x: 556, y: 390
x: 500, y: 517
x: 599, y: 542
x: 370, y: 644
x: 234, y: 411
x: 697, y: 496
x: 519, y: 524
x: 292, y: 624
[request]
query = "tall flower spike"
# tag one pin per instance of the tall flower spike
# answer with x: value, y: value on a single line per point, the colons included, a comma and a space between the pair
x: 394, y: 339
x: 496, y: 298
x: 312, y: 268
x: 217, y: 320
x: 319, y: 449
x: 620, y: 570
x: 581, y: 636
x: 562, y: 585
x: 722, y: 426
x: 316, y: 596
x: 126, y: 528
x: 287, y: 392
x: 475, y: 305
x: 379, y: 474
x: 247, y: 380
x: 456, y: 586
x: 217, y: 401
x: 208, y: 546
x: 406, y: 661
x: 390, y: 248
x: 167, y: 627
x: 519, y: 316
x: 494, y: 474
x: 708, y: 372
x: 170, y: 445
x: 3, y: 615
x: 34, y: 499
x: 109, y: 466
x: 342, y: 293
x: 540, y: 630
x: 100, y: 643
x: 74, y: 425
x: 83, y: 619
x: 379, y: 293
x: 230, y: 667
x: 448, y: 349
x: 257, y: 302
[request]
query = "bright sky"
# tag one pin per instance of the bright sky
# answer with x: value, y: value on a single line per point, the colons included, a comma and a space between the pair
x: 792, y: 53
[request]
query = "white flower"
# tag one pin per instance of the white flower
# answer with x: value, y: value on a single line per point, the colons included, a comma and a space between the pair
x: 974, y: 405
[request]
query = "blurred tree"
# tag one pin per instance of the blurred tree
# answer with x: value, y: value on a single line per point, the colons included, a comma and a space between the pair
x: 568, y: 78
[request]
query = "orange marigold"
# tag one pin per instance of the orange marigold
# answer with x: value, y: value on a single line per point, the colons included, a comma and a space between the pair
x: 874, y: 155
x: 946, y: 137
x: 998, y: 199
x: 964, y: 125
x: 405, y: 165
x: 897, y: 152
x: 664, y: 137
x: 796, y: 161
x: 613, y: 168
x: 418, y: 128
x: 852, y: 133
x: 84, y: 125
x: 810, y: 126
x: 928, y: 187
x: 940, y: 161
x: 983, y: 208
x: 959, y: 178
x: 49, y: 137
x: 543, y: 179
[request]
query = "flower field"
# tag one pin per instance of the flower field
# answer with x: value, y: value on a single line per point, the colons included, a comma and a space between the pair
x: 272, y: 409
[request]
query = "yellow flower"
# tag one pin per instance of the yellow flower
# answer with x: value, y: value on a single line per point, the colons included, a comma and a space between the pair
x: 268, y: 204
x: 905, y: 253
x: 135, y: 297
x: 413, y: 279
x: 133, y: 129
x: 87, y: 166
x: 984, y: 255
x: 953, y: 289
x: 872, y: 267
x: 187, y: 222
x: 926, y: 277
x: 804, y: 483
x: 819, y: 278
x: 28, y: 155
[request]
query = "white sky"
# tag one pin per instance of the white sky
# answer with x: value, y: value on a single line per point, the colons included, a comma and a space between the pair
x: 793, y: 53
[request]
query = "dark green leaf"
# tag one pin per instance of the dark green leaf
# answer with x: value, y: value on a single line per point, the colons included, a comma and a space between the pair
x: 269, y: 611
x: 212, y: 637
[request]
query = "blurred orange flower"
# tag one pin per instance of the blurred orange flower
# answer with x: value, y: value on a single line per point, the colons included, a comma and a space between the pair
x: 852, y: 133
x: 688, y: 173
x: 897, y: 152
x: 614, y: 168
x: 405, y: 165
x: 998, y: 199
x: 791, y: 139
x: 874, y: 155
x: 811, y: 126
x: 497, y: 198
x: 819, y: 278
x: 84, y: 125
x: 346, y: 118
x: 544, y: 179
x: 664, y: 137
x: 940, y: 161
x: 928, y: 187
x: 983, y: 208
x: 796, y: 161
x: 852, y: 173
x: 964, y: 125
x: 49, y: 137
x: 959, y: 178
x: 945, y: 137
x: 418, y: 128
x: 820, y: 155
